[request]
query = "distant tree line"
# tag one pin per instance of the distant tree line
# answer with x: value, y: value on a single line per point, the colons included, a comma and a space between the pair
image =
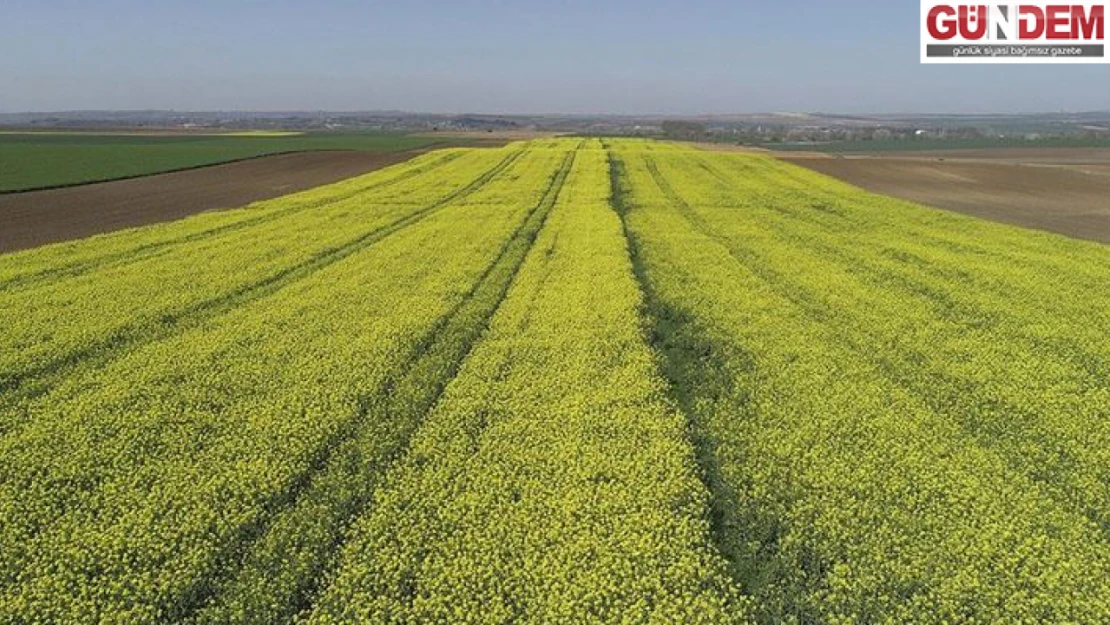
x: 684, y: 130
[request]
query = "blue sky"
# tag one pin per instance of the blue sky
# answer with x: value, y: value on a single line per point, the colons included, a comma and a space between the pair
x: 527, y: 56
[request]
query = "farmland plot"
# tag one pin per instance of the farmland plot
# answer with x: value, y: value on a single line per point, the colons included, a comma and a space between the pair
x: 564, y: 381
x: 901, y: 420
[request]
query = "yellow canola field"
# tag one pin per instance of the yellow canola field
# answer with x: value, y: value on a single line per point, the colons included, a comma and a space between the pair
x: 564, y: 381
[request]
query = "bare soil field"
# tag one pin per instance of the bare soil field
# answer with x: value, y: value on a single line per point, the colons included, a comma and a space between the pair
x: 41, y: 217
x: 1066, y: 190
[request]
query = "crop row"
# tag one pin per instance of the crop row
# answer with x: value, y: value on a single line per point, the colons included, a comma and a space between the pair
x: 881, y: 445
x: 283, y: 570
x: 1023, y: 372
x: 181, y: 453
x: 553, y: 483
x: 66, y: 320
x: 567, y: 381
x: 66, y: 259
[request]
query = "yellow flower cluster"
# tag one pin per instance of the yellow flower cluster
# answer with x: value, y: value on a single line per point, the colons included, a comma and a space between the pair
x: 553, y: 483
x: 132, y: 489
x: 906, y: 408
x: 565, y: 381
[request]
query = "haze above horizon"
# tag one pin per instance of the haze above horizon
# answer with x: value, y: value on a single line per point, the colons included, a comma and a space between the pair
x: 525, y: 57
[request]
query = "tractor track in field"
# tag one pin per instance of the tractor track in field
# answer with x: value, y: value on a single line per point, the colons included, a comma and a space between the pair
x: 939, y: 392
x: 36, y: 218
x: 1061, y: 190
x: 696, y: 373
x: 430, y: 366
x: 924, y: 234
x: 145, y: 251
x: 469, y: 189
x: 320, y: 463
x: 886, y: 278
x: 39, y: 218
x: 37, y: 380
x: 946, y: 306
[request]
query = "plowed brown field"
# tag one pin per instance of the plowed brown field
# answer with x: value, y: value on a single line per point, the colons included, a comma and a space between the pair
x: 41, y: 217
x: 1060, y: 190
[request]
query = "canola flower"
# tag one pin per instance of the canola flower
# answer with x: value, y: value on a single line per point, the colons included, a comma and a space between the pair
x: 179, y: 452
x: 553, y: 483
x: 66, y: 320
x: 570, y: 380
x: 883, y: 446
